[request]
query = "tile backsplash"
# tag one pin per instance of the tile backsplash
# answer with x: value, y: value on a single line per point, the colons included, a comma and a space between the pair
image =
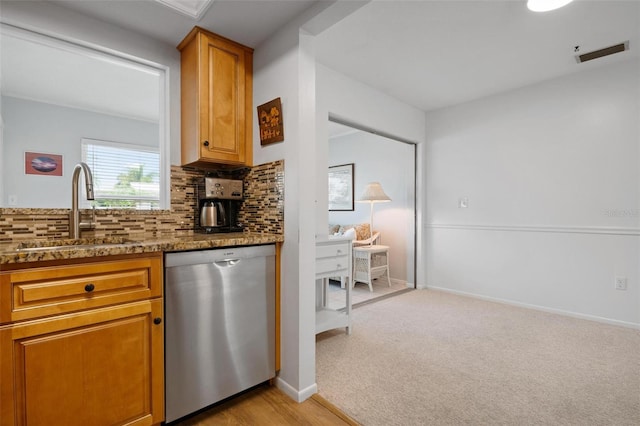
x: 262, y: 210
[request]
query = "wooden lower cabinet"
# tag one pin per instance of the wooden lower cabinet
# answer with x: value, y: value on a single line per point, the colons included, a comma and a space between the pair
x: 101, y: 367
x: 82, y: 342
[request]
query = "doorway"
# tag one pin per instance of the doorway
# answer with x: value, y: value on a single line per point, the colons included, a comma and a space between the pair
x: 392, y: 163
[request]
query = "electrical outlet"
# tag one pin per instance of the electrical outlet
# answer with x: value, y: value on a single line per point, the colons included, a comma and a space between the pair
x: 463, y: 203
x: 621, y: 283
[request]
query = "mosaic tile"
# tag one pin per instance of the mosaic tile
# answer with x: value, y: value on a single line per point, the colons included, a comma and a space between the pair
x: 261, y: 212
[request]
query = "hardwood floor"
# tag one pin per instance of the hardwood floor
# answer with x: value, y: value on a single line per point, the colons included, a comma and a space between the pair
x: 267, y: 405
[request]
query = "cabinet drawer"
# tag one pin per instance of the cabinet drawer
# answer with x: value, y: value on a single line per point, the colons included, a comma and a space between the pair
x: 333, y: 264
x: 38, y: 292
x: 332, y: 250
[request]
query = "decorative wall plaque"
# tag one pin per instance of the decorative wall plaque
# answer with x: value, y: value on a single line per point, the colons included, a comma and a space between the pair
x: 271, y: 122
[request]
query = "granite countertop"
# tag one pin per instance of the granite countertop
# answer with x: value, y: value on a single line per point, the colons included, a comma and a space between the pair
x: 30, y: 251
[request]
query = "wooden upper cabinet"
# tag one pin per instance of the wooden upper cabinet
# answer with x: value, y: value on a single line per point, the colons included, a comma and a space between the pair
x: 216, y: 100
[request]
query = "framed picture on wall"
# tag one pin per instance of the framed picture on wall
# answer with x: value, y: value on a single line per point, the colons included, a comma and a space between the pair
x: 341, y: 187
x: 37, y: 163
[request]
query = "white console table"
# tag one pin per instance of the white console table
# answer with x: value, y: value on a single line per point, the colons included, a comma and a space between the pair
x: 333, y: 259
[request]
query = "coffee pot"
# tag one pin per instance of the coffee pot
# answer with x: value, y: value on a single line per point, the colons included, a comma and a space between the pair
x: 219, y: 202
x: 212, y: 215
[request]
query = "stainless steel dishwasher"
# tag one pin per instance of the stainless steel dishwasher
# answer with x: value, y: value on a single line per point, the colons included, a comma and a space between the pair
x: 219, y: 325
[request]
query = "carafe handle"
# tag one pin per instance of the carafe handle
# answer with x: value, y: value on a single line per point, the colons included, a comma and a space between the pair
x: 222, y: 216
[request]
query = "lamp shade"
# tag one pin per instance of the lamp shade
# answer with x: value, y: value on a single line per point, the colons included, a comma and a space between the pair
x: 374, y: 193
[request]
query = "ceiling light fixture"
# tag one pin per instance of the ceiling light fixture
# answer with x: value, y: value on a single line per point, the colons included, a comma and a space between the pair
x: 546, y: 5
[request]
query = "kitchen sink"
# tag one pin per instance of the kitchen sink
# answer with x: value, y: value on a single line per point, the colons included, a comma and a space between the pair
x: 80, y: 243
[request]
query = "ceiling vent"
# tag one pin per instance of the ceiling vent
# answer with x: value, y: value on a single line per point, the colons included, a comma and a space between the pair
x: 621, y: 47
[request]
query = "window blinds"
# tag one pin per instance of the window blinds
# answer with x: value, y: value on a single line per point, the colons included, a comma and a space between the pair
x: 124, y: 175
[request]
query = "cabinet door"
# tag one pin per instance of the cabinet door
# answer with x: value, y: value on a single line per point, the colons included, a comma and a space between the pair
x: 222, y: 101
x: 101, y: 367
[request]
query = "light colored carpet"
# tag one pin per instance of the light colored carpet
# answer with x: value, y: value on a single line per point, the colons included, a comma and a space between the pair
x: 431, y: 358
x: 360, y: 293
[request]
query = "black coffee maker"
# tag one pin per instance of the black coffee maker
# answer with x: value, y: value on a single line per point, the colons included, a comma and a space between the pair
x: 219, y: 202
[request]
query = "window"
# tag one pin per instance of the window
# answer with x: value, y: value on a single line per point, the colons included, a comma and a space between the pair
x: 124, y: 175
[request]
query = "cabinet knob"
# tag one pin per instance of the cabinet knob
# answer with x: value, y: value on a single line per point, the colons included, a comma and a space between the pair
x: 205, y: 143
x: 89, y: 288
x: 157, y: 320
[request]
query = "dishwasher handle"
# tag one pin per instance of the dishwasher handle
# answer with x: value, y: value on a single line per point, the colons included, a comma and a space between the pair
x: 226, y: 263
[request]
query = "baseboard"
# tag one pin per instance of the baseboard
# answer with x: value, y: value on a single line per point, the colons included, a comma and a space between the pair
x: 404, y: 283
x: 293, y: 393
x: 537, y: 307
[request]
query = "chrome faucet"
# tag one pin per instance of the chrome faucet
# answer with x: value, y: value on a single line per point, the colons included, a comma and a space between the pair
x: 74, y: 217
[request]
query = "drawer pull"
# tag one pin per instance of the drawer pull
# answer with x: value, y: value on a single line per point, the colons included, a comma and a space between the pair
x: 339, y: 266
x: 89, y: 288
x: 157, y: 320
x: 338, y: 251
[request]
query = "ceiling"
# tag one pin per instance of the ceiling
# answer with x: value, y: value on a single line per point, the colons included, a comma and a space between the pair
x: 429, y: 54
x: 434, y: 54
x: 248, y: 22
x: 63, y: 74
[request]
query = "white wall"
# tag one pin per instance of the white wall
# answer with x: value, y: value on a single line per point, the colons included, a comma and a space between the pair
x: 55, y: 20
x: 51, y: 129
x: 284, y: 67
x: 552, y: 179
x: 379, y: 159
x: 357, y: 103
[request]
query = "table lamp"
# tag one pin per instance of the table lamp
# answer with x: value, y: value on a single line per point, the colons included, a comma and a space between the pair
x: 373, y: 193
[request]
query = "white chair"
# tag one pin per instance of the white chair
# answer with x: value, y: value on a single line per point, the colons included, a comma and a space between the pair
x: 369, y: 241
